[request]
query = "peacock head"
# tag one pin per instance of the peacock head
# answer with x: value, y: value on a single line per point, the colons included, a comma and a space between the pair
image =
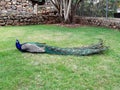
x: 18, y: 45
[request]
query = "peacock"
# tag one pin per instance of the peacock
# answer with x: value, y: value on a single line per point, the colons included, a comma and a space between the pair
x: 36, y: 47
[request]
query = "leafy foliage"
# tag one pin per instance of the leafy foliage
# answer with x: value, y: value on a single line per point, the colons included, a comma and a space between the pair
x: 97, y: 9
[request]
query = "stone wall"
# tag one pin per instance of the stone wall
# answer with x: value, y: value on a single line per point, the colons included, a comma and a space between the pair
x: 22, y: 12
x: 109, y: 23
x: 28, y: 20
x: 15, y: 7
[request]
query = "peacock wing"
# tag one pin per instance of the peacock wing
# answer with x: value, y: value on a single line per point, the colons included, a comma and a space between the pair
x: 29, y: 47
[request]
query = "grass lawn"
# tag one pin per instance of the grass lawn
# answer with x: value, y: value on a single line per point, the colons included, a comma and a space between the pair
x: 25, y: 71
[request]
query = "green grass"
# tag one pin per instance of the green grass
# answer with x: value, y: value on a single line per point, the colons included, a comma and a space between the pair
x: 25, y: 71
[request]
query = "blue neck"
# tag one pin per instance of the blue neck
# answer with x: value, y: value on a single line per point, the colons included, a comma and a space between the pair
x: 18, y: 45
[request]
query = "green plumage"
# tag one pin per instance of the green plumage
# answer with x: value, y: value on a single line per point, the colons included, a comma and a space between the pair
x: 43, y: 48
x: 80, y: 51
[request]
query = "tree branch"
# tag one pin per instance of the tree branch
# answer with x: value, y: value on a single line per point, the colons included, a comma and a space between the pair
x: 55, y: 5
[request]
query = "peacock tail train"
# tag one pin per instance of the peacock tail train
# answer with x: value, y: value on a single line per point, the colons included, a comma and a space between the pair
x: 35, y: 47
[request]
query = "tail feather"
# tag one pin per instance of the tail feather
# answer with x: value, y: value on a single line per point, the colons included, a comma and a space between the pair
x: 72, y: 51
x: 82, y: 51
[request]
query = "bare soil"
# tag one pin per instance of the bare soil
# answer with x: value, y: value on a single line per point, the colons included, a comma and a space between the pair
x: 69, y: 25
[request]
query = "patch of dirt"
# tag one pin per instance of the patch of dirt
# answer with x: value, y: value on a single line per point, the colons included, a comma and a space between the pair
x: 69, y: 25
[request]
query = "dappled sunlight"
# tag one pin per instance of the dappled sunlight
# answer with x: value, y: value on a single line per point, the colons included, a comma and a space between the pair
x: 11, y: 34
x: 49, y: 36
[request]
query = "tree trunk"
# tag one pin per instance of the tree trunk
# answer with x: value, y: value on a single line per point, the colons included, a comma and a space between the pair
x: 66, y: 9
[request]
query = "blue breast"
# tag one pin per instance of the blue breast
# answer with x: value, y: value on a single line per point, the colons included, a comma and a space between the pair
x: 18, y: 45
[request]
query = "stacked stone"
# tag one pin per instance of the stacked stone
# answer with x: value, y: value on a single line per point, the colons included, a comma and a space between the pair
x: 51, y: 19
x: 17, y: 12
x: 109, y: 23
x: 28, y: 20
x: 20, y: 20
x: 15, y: 7
x: 21, y: 12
